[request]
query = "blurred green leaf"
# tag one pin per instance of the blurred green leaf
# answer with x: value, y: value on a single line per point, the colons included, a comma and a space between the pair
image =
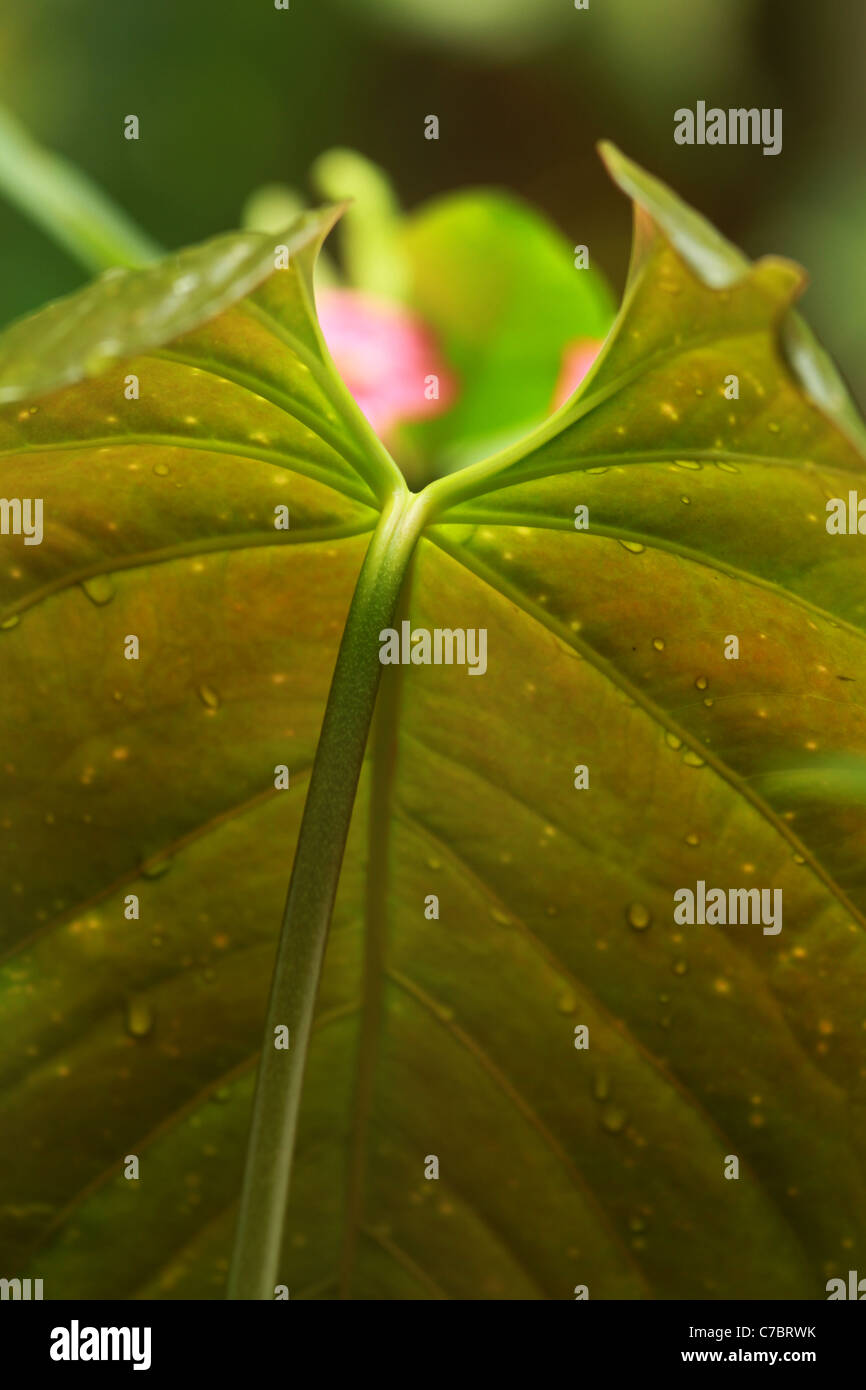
x: 372, y: 257
x: 499, y: 285
x: 61, y: 199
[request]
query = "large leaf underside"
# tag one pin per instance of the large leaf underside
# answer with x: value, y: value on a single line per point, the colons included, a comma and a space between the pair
x: 557, y: 1166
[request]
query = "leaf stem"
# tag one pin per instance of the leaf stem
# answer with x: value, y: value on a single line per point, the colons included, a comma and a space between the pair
x: 311, y: 895
x: 383, y: 761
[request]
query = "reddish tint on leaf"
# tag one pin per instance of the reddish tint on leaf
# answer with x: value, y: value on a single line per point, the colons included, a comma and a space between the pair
x: 577, y: 359
x: 386, y: 356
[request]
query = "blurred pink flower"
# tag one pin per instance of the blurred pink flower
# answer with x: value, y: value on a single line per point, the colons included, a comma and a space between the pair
x: 385, y: 355
x: 577, y: 359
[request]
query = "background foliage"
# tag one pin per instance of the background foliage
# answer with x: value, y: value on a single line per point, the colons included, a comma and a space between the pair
x: 523, y: 91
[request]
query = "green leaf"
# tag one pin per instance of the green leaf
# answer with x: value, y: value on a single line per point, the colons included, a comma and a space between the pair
x: 372, y: 256
x: 449, y: 1037
x: 66, y: 204
x: 499, y: 285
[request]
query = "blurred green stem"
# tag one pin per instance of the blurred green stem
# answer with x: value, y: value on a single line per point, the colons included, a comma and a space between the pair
x: 64, y: 202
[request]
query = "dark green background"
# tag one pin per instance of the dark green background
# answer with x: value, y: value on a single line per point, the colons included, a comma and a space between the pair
x: 233, y: 93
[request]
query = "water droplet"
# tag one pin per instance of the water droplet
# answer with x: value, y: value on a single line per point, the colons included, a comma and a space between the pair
x: 10, y: 623
x: 798, y: 859
x: 596, y: 470
x: 567, y: 1003
x: 659, y: 644
x: 773, y: 427
x: 672, y: 741
x: 634, y: 547
x: 693, y: 759
x: 639, y: 916
x: 99, y: 589
x: 692, y: 838
x: 613, y: 1119
x: 701, y: 683
x: 155, y: 868
x: 601, y: 1086
x: 727, y: 468
x: 680, y: 967
x: 161, y: 470
x: 139, y: 1019
x: 209, y: 697
x: 699, y: 391
x: 687, y: 500
x: 709, y: 703
x: 688, y: 463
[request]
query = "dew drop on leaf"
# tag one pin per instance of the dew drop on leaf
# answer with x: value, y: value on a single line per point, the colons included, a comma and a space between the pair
x: 673, y: 741
x: 693, y: 759
x: 161, y: 470
x: 701, y: 683
x: 139, y: 1019
x: 613, y: 1119
x: 99, y: 589
x: 658, y: 643
x: 156, y: 867
x: 209, y: 697
x: 9, y: 623
x: 634, y: 547
x: 639, y: 916
x: 601, y: 1086
x: 680, y: 967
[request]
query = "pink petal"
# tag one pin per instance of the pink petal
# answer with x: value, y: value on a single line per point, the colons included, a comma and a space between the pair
x: 577, y: 359
x: 385, y: 355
